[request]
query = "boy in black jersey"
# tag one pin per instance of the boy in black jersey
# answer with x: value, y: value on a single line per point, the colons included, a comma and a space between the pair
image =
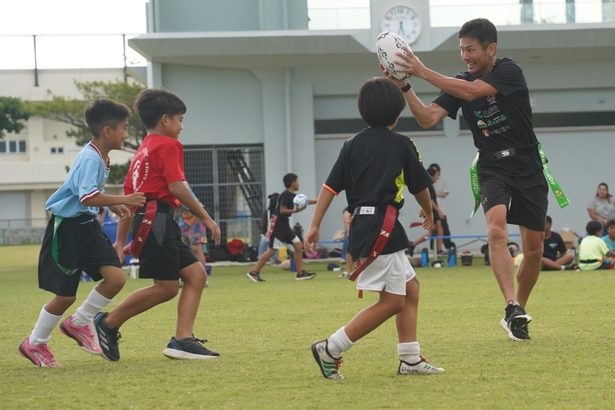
x: 373, y: 168
x: 281, y: 231
x: 494, y: 99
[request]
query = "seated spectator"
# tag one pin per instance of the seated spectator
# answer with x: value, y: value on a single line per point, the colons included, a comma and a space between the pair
x: 602, y: 207
x: 593, y: 252
x: 609, y: 238
x: 555, y: 256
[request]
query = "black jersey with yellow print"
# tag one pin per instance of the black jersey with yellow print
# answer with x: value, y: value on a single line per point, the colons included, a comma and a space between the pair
x: 373, y: 167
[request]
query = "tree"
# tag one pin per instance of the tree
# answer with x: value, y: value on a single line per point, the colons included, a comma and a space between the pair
x: 71, y: 111
x: 13, y: 113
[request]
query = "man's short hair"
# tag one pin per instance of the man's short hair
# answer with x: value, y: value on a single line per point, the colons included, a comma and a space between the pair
x: 481, y: 29
x: 102, y: 112
x: 153, y: 103
x: 610, y: 222
x: 549, y: 220
x: 288, y: 179
x: 380, y: 102
x: 593, y: 227
x: 435, y: 166
x: 432, y: 171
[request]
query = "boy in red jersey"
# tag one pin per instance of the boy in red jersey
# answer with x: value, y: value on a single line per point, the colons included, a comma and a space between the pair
x: 157, y: 170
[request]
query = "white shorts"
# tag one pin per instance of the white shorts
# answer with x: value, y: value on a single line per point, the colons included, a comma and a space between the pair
x: 387, y: 272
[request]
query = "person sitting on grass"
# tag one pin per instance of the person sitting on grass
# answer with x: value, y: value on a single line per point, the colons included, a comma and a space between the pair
x: 609, y: 238
x: 555, y: 256
x: 593, y: 252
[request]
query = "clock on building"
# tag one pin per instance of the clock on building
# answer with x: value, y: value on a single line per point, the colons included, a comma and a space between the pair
x: 403, y: 21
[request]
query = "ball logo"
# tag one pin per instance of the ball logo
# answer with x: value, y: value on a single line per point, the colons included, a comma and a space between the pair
x: 140, y: 170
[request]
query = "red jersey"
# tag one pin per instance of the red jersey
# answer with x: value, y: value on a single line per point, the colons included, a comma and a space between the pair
x: 158, y: 162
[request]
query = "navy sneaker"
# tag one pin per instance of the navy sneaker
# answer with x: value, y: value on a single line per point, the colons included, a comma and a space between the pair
x: 189, y: 348
x: 255, y: 276
x: 303, y: 275
x: 515, y: 323
x: 107, y: 337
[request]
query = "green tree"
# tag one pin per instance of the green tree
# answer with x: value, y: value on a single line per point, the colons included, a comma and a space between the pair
x: 13, y: 113
x: 71, y: 111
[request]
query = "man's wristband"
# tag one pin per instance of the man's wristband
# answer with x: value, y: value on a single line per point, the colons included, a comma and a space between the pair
x: 406, y: 88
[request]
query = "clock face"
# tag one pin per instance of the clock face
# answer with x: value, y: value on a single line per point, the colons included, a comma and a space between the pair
x: 403, y: 21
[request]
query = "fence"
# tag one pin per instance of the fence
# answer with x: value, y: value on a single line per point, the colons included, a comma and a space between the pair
x: 22, y: 231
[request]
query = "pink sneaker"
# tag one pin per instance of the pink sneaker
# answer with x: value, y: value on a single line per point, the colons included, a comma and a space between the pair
x: 82, y: 334
x: 40, y: 354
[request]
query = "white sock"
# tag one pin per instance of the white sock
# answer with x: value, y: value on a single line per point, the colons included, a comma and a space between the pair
x: 338, y: 343
x: 43, y: 327
x: 409, y: 352
x: 94, y: 303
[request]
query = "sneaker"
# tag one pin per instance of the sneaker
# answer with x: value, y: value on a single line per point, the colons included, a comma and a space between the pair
x: 107, y: 337
x: 189, y: 348
x: 303, y: 275
x: 329, y: 365
x: 39, y: 354
x: 343, y: 275
x: 255, y: 277
x: 83, y: 335
x: 420, y: 367
x: 571, y: 266
x: 515, y: 323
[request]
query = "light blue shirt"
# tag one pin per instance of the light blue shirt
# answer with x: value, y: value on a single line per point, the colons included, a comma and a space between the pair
x: 609, y: 242
x: 85, y: 179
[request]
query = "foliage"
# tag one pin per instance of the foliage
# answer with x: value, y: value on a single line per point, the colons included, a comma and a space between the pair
x: 13, y: 113
x: 264, y: 331
x: 70, y: 110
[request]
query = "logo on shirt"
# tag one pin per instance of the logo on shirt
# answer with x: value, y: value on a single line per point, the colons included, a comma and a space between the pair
x: 140, y: 169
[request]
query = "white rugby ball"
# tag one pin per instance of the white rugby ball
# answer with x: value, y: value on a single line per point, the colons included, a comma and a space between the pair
x: 387, y: 45
x: 300, y: 200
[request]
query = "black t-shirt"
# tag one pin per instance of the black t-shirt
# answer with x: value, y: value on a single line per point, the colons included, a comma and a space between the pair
x: 285, y: 199
x: 499, y: 121
x: 373, y: 167
x: 554, y: 246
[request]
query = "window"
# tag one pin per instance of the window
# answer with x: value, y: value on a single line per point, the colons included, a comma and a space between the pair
x: 13, y: 147
x: 56, y: 150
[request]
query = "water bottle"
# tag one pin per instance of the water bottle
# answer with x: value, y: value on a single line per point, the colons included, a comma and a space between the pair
x: 424, y: 257
x: 452, y: 256
x: 134, y: 268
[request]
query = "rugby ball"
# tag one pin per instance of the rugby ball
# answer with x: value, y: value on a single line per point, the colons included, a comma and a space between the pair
x: 387, y: 45
x: 300, y: 200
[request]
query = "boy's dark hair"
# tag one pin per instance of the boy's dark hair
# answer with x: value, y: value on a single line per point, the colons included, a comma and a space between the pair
x: 432, y: 171
x: 481, y: 29
x: 102, y: 112
x: 289, y: 179
x: 549, y: 220
x: 593, y: 227
x: 435, y: 166
x: 153, y: 103
x: 610, y: 222
x: 380, y: 102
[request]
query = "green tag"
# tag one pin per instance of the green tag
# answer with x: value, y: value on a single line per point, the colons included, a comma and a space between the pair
x: 54, y: 247
x: 560, y: 197
x: 475, y: 185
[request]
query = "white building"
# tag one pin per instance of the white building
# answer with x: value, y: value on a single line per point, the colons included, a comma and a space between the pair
x: 261, y: 82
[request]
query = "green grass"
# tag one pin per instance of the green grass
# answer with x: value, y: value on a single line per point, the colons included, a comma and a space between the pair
x: 264, y: 331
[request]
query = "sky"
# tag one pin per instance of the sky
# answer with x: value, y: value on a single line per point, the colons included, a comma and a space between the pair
x: 87, y: 33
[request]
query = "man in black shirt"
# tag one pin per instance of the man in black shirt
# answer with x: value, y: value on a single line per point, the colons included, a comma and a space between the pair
x: 280, y: 230
x: 494, y: 99
x: 555, y: 255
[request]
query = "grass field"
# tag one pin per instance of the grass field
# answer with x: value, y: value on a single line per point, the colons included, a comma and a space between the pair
x: 264, y: 332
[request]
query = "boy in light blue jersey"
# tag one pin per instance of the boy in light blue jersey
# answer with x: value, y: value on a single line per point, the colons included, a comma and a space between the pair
x: 75, y: 242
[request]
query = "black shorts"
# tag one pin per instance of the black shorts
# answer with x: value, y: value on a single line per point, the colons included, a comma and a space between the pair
x: 164, y: 253
x: 525, y: 197
x: 81, y: 246
x: 283, y: 233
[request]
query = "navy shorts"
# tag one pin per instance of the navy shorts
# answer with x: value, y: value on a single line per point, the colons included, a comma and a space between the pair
x: 81, y: 246
x: 525, y: 197
x: 164, y: 253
